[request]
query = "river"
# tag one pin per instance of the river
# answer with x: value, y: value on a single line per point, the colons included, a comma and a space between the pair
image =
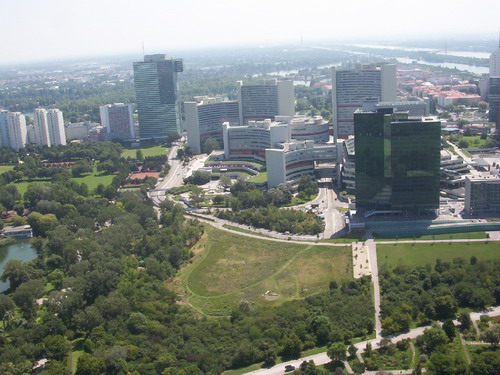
x: 21, y: 250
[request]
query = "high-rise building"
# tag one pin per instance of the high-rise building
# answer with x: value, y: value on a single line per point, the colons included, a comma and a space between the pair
x: 397, y: 161
x: 55, y: 123
x: 204, y: 119
x: 156, y: 92
x: 266, y: 100
x: 494, y: 101
x: 495, y: 63
x: 4, y: 130
x: 41, y: 127
x: 351, y: 87
x: 16, y: 129
x: 482, y: 194
x: 118, y: 119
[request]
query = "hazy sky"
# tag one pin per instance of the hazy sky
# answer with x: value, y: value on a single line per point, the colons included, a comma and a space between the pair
x: 50, y: 29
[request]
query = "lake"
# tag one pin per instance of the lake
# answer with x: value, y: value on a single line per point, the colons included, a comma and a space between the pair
x: 21, y: 250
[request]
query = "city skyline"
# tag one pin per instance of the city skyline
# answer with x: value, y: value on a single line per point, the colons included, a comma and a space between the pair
x: 68, y: 29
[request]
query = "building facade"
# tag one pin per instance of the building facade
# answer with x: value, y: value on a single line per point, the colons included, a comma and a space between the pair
x: 55, y: 122
x: 16, y: 130
x: 351, y: 87
x: 156, y: 91
x: 482, y: 195
x: 266, y: 100
x: 289, y: 161
x: 304, y: 128
x: 204, y: 119
x: 397, y: 161
x: 41, y: 127
x: 494, y: 102
x: 118, y: 119
x: 252, y: 140
x: 4, y: 130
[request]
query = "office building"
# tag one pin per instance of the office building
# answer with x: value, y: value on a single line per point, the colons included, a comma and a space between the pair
x: 265, y: 100
x: 16, y: 130
x: 494, y: 101
x: 397, y: 161
x: 118, y: 120
x: 156, y: 91
x: 41, y: 127
x: 482, y: 194
x: 351, y: 87
x: 252, y: 140
x: 55, y: 123
x: 289, y: 161
x: 414, y: 108
x: 495, y: 63
x: 204, y: 119
x: 304, y: 128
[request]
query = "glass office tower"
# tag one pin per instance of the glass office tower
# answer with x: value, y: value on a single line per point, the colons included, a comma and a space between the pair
x: 397, y: 161
x: 156, y: 95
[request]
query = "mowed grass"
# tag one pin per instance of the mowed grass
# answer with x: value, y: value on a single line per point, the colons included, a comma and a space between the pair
x: 5, y: 168
x: 92, y: 180
x: 146, y: 151
x: 233, y: 268
x: 421, y: 254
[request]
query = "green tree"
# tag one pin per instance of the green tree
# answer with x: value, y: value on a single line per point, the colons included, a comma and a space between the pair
x: 450, y: 329
x: 210, y: 145
x: 337, y: 352
x: 445, y: 363
x: 6, y: 306
x: 432, y: 339
x: 291, y: 346
x: 56, y: 346
x: 486, y: 363
x: 491, y: 335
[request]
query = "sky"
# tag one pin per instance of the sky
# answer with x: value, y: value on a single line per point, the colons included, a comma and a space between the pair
x: 37, y: 30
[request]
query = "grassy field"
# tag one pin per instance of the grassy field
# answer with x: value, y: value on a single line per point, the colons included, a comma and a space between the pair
x: 5, y: 168
x: 146, y: 151
x: 422, y: 254
x: 92, y: 180
x: 242, y: 230
x: 229, y: 269
x: 261, y: 177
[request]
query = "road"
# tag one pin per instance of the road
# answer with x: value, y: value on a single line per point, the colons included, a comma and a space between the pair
x: 322, y: 358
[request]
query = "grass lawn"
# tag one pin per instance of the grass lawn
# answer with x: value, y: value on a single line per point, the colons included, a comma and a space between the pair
x: 296, y: 200
x: 92, y: 180
x: 421, y: 254
x: 261, y: 177
x: 242, y: 230
x: 229, y: 269
x: 73, y: 360
x: 450, y: 236
x: 5, y: 168
x: 146, y: 151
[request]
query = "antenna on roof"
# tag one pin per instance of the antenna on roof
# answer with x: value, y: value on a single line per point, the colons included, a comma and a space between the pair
x: 143, y: 54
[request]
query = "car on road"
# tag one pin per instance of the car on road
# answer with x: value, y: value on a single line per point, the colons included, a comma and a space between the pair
x: 289, y: 368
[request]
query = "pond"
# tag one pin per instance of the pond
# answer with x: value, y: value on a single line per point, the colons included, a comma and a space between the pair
x: 21, y: 250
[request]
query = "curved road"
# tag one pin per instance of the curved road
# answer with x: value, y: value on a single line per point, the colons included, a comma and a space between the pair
x: 322, y: 358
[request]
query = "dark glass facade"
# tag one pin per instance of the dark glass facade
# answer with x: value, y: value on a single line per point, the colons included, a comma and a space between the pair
x: 157, y: 96
x: 494, y: 101
x: 397, y: 161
